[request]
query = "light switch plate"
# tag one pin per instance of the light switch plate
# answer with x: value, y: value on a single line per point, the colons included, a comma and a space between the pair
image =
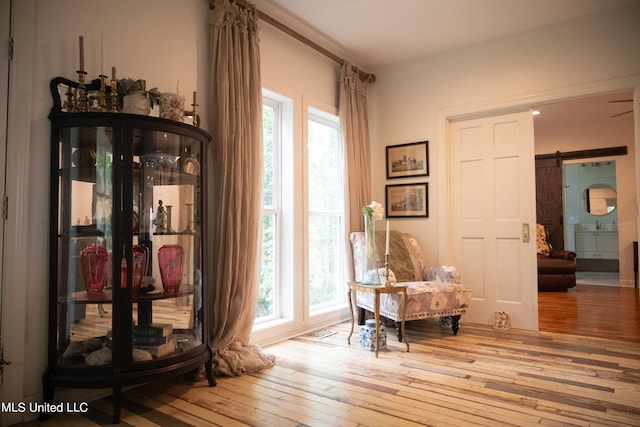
x: 526, y: 238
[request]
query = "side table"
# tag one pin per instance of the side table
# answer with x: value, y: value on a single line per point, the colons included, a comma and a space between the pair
x: 377, y: 290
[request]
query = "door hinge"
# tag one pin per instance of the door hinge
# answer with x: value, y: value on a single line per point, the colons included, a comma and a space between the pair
x: 5, y: 208
x: 10, y: 48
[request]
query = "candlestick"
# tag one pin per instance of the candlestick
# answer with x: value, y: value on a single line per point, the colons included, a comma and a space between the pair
x: 386, y: 251
x: 168, y: 228
x: 114, y: 92
x: 386, y: 270
x: 102, y: 100
x: 195, y: 116
x: 82, y: 104
x: 81, y: 47
x: 190, y: 220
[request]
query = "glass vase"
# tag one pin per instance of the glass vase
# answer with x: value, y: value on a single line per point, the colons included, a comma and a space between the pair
x: 171, y: 260
x: 370, y: 274
x: 95, y: 261
x: 140, y: 263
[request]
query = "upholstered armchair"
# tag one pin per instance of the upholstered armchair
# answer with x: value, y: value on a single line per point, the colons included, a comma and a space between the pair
x: 556, y: 268
x: 433, y: 292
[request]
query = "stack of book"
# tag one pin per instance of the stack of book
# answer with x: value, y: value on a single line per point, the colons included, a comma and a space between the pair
x: 156, y: 338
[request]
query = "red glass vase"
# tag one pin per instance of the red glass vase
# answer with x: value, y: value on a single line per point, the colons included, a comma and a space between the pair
x: 140, y: 263
x: 171, y: 260
x: 95, y: 262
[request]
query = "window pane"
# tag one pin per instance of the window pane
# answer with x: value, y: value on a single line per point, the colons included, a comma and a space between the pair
x: 269, y: 161
x: 324, y: 167
x: 266, y: 292
x: 325, y: 193
x: 324, y: 253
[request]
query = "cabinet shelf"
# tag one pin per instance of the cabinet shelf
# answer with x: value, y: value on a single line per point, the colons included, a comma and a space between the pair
x: 106, y: 296
x: 99, y: 173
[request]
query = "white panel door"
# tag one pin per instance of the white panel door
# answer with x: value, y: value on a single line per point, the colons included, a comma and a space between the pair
x: 493, y: 208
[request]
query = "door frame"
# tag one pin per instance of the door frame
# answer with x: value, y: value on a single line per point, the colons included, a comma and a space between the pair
x: 18, y: 170
x: 510, y: 105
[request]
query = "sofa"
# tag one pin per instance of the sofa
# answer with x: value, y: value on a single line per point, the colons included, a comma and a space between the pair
x: 433, y: 292
x: 556, y: 268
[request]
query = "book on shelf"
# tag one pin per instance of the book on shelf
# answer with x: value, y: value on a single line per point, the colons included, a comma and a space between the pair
x: 149, y: 340
x: 160, y: 350
x: 153, y: 330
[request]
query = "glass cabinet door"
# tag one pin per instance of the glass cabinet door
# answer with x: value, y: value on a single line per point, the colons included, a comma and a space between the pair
x: 167, y: 244
x: 85, y: 244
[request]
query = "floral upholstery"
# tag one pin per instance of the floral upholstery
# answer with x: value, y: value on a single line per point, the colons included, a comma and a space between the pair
x: 426, y: 300
x: 432, y: 292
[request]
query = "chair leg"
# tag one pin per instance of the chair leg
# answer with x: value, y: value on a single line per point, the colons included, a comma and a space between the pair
x: 455, y: 325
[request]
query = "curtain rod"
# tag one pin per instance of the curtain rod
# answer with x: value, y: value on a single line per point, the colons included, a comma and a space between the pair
x: 365, y: 77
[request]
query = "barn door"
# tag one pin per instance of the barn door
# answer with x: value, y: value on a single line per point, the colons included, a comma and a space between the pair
x: 549, y: 209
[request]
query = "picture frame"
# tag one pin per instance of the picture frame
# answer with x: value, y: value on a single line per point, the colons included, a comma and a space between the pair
x: 408, y: 160
x: 407, y: 200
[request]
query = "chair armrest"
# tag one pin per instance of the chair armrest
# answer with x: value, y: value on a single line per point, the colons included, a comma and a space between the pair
x: 570, y: 255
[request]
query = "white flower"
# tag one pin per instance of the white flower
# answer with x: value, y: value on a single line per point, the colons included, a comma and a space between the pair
x: 375, y: 210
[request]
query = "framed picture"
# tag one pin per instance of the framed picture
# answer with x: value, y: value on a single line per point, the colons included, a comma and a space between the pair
x: 407, y: 200
x: 408, y: 160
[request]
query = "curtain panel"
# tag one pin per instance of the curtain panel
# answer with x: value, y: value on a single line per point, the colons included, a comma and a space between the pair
x: 235, y: 197
x: 354, y: 124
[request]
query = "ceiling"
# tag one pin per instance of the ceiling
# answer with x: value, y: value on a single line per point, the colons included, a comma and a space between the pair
x: 375, y: 33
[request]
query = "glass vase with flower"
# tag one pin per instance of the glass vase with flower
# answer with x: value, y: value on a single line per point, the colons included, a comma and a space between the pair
x: 370, y: 275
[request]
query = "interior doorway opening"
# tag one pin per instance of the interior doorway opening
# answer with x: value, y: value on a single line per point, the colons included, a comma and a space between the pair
x: 591, y: 214
x: 589, y: 126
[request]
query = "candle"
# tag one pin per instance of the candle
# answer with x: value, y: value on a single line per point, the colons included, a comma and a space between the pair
x: 194, y: 97
x: 178, y: 87
x: 386, y: 252
x: 81, y: 42
x: 102, y: 56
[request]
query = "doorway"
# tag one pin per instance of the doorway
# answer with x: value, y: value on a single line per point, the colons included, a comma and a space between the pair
x: 591, y: 124
x: 553, y: 98
x: 591, y: 212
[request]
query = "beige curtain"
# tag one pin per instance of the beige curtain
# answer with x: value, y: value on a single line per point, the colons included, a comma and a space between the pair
x: 235, y: 177
x: 355, y: 134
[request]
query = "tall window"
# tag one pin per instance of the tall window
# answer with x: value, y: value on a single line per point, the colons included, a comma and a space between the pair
x: 302, y: 219
x: 325, y: 200
x: 268, y: 303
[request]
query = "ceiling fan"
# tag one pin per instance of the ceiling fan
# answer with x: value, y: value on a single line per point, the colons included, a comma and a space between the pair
x: 624, y: 112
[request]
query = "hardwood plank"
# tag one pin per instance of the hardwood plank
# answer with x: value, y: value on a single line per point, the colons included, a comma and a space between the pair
x: 479, y: 377
x: 610, y: 312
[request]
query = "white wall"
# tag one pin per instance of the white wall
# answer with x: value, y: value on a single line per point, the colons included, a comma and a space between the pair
x: 162, y: 41
x: 552, y: 63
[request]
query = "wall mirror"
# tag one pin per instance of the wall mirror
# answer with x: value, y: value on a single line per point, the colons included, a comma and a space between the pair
x: 600, y: 199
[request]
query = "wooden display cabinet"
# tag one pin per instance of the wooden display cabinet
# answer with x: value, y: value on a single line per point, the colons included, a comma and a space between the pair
x: 124, y: 188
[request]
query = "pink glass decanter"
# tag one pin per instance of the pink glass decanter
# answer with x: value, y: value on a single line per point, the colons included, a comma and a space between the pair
x: 95, y: 261
x: 171, y: 260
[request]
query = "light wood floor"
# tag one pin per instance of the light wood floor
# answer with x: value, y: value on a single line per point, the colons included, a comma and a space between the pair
x: 482, y: 377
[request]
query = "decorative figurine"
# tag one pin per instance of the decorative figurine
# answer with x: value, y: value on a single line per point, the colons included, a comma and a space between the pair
x: 161, y: 218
